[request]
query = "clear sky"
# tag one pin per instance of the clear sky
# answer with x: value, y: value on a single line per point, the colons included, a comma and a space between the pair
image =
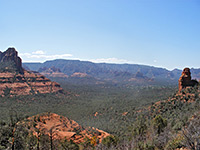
x: 164, y: 33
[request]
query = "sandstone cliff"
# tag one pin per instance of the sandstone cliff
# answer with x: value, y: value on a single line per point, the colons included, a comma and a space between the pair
x: 11, y: 56
x: 14, y: 80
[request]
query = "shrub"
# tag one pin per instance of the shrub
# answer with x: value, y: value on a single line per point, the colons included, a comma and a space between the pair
x: 159, y: 124
x: 110, y: 140
x: 175, y: 143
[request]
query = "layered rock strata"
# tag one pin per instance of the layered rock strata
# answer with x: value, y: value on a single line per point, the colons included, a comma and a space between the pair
x: 27, y: 83
x: 14, y: 80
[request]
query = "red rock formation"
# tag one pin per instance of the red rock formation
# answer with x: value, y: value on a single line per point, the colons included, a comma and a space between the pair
x: 63, y: 128
x: 80, y: 75
x: 52, y: 72
x: 11, y: 55
x: 185, y: 79
x: 14, y: 80
x: 27, y: 83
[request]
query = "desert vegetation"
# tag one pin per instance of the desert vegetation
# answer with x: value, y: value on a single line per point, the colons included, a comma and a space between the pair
x: 137, y: 116
x: 140, y: 122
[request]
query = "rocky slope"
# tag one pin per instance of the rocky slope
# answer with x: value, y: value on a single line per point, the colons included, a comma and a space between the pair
x: 172, y: 123
x: 189, y: 92
x: 14, y: 80
x: 60, y: 127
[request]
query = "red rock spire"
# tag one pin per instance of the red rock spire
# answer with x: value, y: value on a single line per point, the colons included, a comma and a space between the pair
x: 185, y: 79
x: 11, y: 55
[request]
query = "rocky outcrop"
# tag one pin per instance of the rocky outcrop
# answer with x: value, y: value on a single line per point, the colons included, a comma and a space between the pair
x: 27, y: 83
x: 14, y: 80
x: 185, y: 79
x: 63, y: 128
x: 52, y: 72
x: 11, y: 55
x: 80, y: 75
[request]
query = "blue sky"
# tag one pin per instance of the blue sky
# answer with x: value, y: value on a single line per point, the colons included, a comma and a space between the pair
x: 163, y: 33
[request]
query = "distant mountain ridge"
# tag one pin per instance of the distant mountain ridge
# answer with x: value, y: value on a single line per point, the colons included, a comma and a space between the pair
x: 71, y: 66
x: 113, y: 72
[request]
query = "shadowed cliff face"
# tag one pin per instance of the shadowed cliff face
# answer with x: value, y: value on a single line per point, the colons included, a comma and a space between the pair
x: 14, y: 80
x: 11, y: 56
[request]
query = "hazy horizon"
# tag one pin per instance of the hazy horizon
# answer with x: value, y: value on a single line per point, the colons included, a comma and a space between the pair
x: 148, y: 32
x: 109, y: 63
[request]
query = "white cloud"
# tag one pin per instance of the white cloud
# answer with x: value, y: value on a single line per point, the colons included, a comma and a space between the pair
x: 110, y: 60
x: 38, y: 52
x: 41, y: 56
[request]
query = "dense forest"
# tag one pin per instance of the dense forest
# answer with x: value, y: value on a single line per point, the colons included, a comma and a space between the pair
x: 116, y: 107
x: 139, y: 118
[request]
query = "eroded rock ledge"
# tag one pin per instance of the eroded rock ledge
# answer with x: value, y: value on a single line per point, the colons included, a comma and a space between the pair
x: 15, y: 80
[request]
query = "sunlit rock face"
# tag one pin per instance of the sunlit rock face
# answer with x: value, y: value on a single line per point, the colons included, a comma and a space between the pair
x: 15, y: 80
x: 185, y: 79
x: 63, y: 128
x: 11, y: 56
